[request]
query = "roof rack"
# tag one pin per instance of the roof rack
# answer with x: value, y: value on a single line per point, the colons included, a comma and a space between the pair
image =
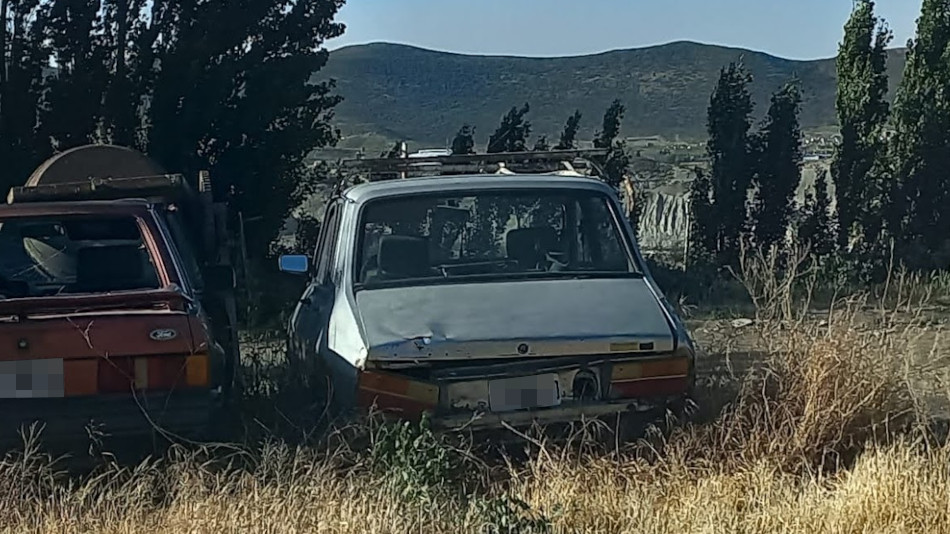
x: 541, y: 162
x: 166, y: 187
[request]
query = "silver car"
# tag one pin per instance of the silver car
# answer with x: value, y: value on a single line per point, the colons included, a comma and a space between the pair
x: 486, y: 300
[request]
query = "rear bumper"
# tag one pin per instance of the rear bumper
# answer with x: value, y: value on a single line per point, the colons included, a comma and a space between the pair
x: 548, y: 416
x: 69, y: 420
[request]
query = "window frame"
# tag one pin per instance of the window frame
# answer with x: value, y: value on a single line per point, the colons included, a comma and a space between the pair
x: 628, y: 243
x: 169, y: 224
x: 325, y: 252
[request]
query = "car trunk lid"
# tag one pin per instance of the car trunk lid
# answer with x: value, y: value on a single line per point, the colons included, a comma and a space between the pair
x: 518, y: 319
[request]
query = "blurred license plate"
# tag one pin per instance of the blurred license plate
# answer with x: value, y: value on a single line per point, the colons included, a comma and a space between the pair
x: 519, y: 393
x: 31, y: 379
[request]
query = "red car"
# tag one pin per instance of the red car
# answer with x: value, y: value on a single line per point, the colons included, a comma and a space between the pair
x: 104, y: 321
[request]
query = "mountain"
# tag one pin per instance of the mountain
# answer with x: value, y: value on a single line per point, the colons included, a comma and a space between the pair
x: 402, y: 92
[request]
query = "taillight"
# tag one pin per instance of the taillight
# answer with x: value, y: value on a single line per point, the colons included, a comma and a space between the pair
x: 163, y: 372
x: 652, y: 378
x: 389, y: 392
x: 196, y: 370
x: 151, y: 373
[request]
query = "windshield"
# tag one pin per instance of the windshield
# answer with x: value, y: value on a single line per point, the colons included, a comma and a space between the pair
x: 65, y: 255
x: 489, y: 235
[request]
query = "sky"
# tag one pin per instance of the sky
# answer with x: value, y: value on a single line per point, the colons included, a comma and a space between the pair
x: 794, y: 29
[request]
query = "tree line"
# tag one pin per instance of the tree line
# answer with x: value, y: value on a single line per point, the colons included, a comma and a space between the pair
x: 891, y: 190
x: 514, y: 132
x: 195, y: 84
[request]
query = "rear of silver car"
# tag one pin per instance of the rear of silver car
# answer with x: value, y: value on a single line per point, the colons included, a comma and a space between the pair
x: 517, y: 337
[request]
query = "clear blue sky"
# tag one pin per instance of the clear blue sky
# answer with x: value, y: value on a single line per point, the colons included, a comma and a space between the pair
x: 798, y: 29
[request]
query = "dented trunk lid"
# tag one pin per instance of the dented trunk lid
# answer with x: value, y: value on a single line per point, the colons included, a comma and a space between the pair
x: 523, y: 318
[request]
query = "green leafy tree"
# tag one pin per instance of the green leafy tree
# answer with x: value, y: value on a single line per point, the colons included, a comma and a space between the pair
x: 617, y: 160
x: 568, y: 137
x: 541, y: 144
x: 464, y: 141
x: 778, y: 167
x: 196, y: 84
x: 703, y: 225
x: 121, y: 26
x: 24, y: 56
x: 513, y: 132
x: 862, y: 108
x: 610, y: 129
x: 816, y: 226
x: 732, y: 163
x: 74, y: 112
x: 922, y: 140
x: 231, y: 90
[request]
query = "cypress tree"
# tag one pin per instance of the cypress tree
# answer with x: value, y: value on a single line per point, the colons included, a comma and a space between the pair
x: 779, y: 167
x: 728, y: 147
x: 862, y: 109
x: 922, y: 140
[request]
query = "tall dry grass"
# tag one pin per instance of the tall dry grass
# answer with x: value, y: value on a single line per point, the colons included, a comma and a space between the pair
x: 828, y: 433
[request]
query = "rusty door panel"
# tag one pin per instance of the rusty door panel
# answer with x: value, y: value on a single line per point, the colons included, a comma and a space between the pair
x: 98, y: 336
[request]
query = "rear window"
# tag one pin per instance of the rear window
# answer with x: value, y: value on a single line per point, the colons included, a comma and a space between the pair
x: 490, y: 235
x: 47, y: 256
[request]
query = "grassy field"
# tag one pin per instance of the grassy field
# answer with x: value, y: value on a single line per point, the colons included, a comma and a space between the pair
x: 805, y: 422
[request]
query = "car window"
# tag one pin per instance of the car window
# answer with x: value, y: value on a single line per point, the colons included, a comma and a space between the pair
x: 67, y: 255
x: 326, y: 247
x: 490, y: 234
x: 182, y: 251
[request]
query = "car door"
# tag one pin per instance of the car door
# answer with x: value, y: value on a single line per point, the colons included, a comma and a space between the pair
x: 311, y: 317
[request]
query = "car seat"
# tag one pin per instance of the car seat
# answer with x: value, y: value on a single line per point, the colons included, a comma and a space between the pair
x: 529, y: 246
x: 113, y: 268
x: 401, y: 257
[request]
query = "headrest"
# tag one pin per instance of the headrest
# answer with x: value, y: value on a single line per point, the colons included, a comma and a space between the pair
x: 530, y: 243
x: 403, y: 256
x: 111, y: 268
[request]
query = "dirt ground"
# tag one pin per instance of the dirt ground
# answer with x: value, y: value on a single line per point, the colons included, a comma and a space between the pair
x: 730, y: 348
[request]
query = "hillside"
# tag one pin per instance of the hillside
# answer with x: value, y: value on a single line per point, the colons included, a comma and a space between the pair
x: 397, y: 91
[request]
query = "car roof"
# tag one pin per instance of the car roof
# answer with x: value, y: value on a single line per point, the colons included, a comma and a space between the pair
x: 435, y: 184
x: 132, y: 207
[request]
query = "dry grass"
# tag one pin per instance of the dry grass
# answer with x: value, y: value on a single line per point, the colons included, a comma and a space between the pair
x: 826, y: 435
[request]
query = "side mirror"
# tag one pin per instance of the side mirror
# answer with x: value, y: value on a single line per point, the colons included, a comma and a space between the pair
x: 219, y: 278
x: 294, y: 264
